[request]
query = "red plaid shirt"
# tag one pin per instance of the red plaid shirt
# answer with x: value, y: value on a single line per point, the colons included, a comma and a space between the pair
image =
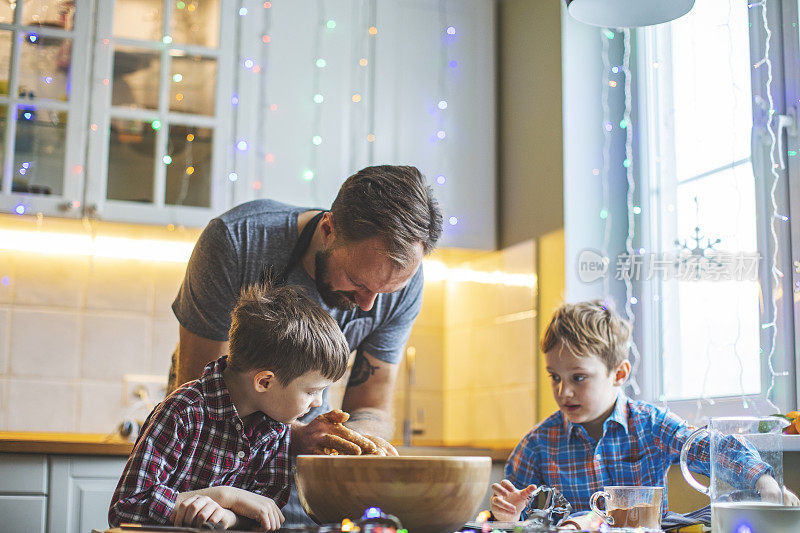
x: 195, y: 439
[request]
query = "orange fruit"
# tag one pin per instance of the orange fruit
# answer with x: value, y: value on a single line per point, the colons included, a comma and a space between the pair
x: 793, y: 414
x: 796, y: 424
x: 791, y: 430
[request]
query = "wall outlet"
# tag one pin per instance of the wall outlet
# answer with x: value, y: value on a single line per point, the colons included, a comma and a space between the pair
x: 148, y: 388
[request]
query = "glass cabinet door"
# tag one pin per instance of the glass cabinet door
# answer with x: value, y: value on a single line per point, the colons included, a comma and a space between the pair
x: 161, y: 110
x: 44, y: 47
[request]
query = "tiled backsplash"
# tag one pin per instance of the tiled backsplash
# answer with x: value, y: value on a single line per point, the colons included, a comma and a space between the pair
x: 475, y: 344
x: 70, y: 328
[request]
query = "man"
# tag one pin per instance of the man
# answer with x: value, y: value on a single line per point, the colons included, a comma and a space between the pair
x: 360, y: 261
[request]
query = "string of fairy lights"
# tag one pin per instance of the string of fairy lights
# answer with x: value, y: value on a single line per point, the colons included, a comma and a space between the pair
x: 633, y: 210
x: 446, y: 65
x: 264, y: 154
x: 361, y: 111
x: 776, y: 216
x: 606, y: 172
x: 606, y: 36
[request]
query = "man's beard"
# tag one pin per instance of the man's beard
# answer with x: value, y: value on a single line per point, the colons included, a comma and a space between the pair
x: 338, y: 299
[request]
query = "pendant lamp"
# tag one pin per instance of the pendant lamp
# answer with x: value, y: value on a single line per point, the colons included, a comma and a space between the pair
x: 627, y: 13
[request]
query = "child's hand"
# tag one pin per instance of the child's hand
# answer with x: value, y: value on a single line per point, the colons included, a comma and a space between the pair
x: 507, y: 501
x: 259, y: 508
x: 195, y: 511
x: 771, y: 492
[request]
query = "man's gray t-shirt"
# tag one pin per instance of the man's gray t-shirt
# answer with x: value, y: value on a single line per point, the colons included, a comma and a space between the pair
x: 232, y: 253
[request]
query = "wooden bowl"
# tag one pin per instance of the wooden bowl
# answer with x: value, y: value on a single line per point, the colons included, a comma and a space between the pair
x: 427, y: 494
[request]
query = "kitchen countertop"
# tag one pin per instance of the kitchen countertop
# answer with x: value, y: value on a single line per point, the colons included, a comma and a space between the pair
x: 63, y: 443
x: 100, y: 444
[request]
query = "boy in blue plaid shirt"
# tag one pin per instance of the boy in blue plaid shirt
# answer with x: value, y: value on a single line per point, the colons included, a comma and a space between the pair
x: 600, y: 437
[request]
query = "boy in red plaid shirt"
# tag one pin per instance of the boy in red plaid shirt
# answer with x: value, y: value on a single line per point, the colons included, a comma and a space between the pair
x: 216, y: 451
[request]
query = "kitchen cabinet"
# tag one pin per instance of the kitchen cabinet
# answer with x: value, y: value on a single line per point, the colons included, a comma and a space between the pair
x: 160, y: 118
x: 120, y: 121
x: 44, y: 49
x: 188, y: 112
x: 80, y: 492
x: 351, y: 84
x: 23, y: 492
x: 57, y: 493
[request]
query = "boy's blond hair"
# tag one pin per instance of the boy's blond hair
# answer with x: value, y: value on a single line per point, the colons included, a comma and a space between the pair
x: 279, y: 328
x: 589, y: 328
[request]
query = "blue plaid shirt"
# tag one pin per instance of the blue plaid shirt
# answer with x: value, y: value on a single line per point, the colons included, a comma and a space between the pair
x: 639, y: 443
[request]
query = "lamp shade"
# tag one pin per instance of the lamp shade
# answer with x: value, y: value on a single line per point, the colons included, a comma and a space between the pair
x: 627, y: 13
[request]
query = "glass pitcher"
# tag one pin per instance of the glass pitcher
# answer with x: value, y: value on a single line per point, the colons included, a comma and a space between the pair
x: 741, y: 451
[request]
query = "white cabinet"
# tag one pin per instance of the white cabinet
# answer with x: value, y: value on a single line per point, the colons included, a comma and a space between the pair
x: 350, y: 84
x: 109, y: 119
x: 56, y: 493
x: 23, y: 493
x: 80, y: 492
x: 160, y: 117
x: 202, y: 105
x: 44, y: 65
x: 23, y: 513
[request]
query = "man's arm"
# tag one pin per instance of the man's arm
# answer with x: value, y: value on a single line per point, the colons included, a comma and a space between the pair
x: 194, y: 353
x: 368, y: 396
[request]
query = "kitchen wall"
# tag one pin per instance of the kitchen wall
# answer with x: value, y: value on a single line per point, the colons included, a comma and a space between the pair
x: 72, y: 326
x: 530, y: 147
x: 550, y: 272
x: 474, y: 347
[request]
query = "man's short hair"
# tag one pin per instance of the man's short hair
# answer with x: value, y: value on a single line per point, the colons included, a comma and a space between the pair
x: 589, y: 328
x: 279, y: 328
x: 392, y: 202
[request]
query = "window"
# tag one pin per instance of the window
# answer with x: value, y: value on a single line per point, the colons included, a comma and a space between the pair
x: 707, y: 183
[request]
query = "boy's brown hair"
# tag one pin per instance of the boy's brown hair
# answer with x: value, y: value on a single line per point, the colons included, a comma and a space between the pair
x: 589, y: 328
x: 279, y: 328
x: 392, y: 202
